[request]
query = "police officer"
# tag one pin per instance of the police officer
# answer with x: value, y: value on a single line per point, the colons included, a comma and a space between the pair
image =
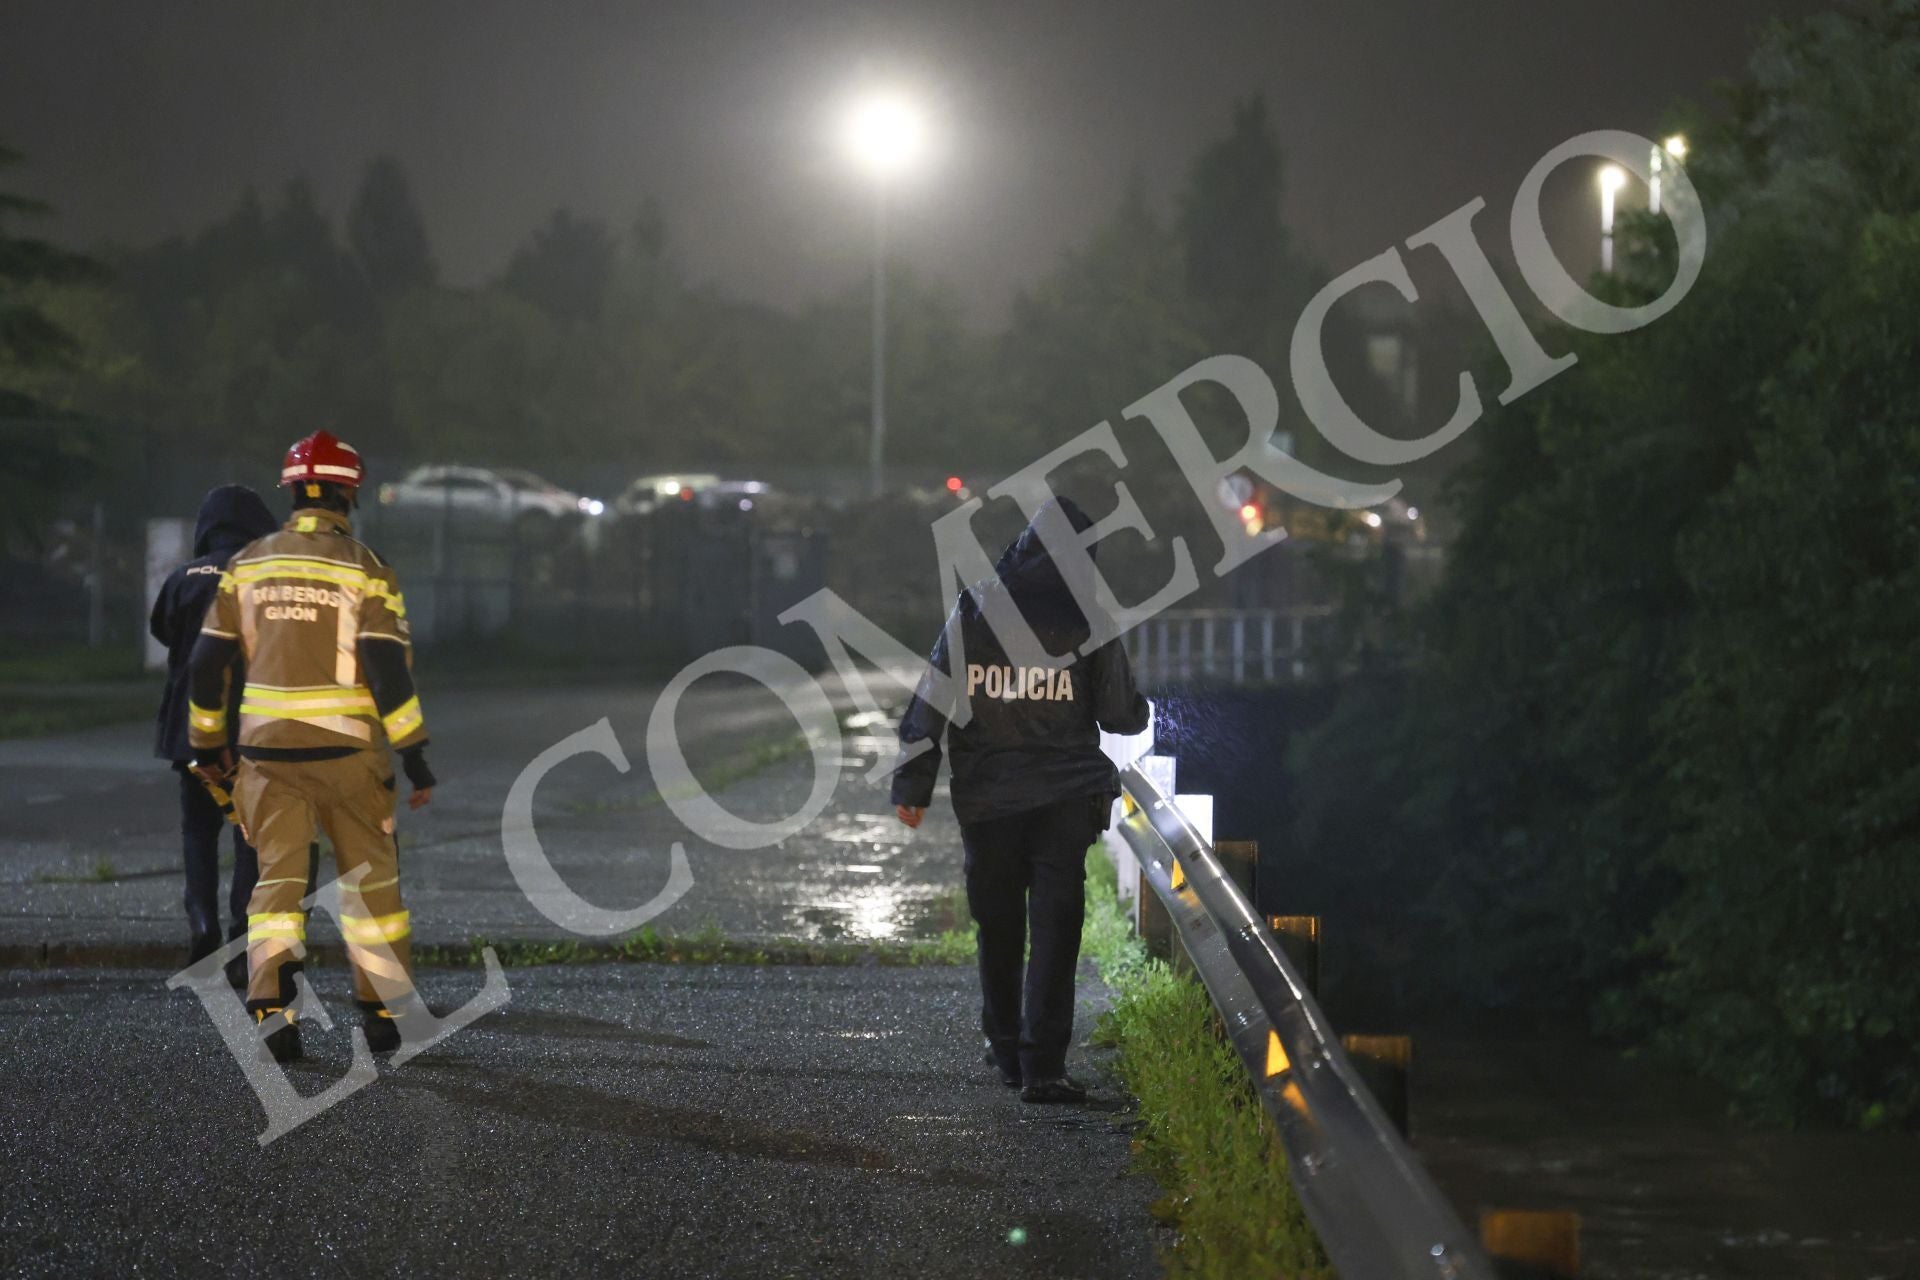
x: 231, y: 516
x: 319, y: 621
x: 1031, y: 788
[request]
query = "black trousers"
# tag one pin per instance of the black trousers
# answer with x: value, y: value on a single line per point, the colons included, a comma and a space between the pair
x: 1026, y: 874
x: 200, y: 826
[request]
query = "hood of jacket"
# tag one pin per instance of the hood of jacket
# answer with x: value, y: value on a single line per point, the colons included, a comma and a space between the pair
x: 231, y: 516
x: 1029, y: 575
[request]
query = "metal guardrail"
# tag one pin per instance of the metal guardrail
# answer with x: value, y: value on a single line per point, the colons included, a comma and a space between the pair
x: 1377, y: 1213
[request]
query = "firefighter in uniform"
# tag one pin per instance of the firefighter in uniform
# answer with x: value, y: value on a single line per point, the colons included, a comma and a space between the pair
x: 319, y: 621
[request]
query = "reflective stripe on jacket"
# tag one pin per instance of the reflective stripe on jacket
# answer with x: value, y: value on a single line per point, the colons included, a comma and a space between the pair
x: 313, y: 612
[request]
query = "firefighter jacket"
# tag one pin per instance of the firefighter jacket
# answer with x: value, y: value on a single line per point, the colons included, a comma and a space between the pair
x: 231, y: 516
x: 320, y: 623
x: 1033, y: 732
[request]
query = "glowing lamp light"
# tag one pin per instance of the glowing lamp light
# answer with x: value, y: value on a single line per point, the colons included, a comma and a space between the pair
x: 885, y: 134
x: 1372, y: 518
x: 955, y: 484
x: 1677, y: 146
x: 1612, y: 178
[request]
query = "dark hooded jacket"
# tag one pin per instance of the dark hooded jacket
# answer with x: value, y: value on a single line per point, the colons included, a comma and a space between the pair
x: 231, y: 516
x: 1034, y: 733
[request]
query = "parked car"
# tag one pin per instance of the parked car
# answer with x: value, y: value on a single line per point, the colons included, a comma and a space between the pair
x: 732, y: 495
x: 507, y: 494
x: 648, y: 493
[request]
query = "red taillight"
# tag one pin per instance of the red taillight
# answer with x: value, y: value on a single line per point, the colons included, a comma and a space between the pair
x: 686, y: 495
x: 955, y: 484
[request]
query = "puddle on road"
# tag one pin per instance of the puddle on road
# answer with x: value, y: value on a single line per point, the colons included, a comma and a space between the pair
x: 874, y: 829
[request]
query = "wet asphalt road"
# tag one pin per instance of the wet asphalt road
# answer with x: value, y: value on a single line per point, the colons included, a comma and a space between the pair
x: 616, y: 1119
x: 634, y: 1119
x: 89, y: 850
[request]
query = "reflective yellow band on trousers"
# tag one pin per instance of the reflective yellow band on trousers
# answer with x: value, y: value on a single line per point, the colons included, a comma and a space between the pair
x: 276, y: 924
x: 403, y: 719
x: 367, y: 929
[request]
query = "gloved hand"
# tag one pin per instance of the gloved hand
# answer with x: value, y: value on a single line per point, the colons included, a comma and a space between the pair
x: 413, y: 762
x: 213, y: 764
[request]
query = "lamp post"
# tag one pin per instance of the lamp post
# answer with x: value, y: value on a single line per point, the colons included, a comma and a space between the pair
x: 1612, y: 178
x: 885, y: 135
x: 1674, y: 148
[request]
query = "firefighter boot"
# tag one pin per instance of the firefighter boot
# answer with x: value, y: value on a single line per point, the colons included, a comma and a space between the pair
x: 283, y: 1042
x: 383, y: 1029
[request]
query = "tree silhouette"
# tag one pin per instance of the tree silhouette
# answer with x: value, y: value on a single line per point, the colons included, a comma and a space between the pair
x: 43, y: 455
x: 564, y: 268
x: 386, y: 233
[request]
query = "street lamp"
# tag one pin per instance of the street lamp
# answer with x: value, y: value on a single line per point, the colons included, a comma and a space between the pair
x: 1674, y: 148
x: 885, y: 135
x: 1612, y: 178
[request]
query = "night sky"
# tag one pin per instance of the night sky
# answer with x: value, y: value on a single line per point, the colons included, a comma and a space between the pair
x: 146, y: 119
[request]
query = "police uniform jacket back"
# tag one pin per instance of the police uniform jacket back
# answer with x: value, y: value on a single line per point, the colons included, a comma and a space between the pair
x: 1032, y: 736
x: 231, y: 516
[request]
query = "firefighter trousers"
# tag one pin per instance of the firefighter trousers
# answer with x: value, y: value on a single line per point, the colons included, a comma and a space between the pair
x: 351, y: 798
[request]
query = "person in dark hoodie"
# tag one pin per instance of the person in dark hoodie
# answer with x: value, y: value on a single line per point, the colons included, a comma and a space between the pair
x: 1030, y: 787
x: 231, y: 516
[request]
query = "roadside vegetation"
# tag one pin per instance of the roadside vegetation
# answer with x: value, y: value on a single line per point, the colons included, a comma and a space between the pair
x: 1203, y: 1133
x: 56, y: 688
x: 1648, y: 749
x: 706, y: 946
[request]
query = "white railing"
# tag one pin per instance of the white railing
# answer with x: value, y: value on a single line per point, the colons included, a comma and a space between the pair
x: 1224, y: 646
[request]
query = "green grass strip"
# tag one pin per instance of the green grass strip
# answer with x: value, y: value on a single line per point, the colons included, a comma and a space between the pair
x: 707, y: 946
x: 1203, y: 1133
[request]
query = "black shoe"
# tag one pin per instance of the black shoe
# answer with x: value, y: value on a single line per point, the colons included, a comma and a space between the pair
x: 201, y: 946
x: 282, y: 1042
x: 1007, y: 1078
x: 237, y: 972
x: 1059, y: 1090
x: 382, y: 1028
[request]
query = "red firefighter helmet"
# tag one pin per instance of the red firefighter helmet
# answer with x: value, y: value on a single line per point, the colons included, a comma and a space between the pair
x: 321, y: 457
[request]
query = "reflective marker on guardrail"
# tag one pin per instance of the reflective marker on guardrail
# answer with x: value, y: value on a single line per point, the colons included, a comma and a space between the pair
x: 1377, y: 1213
x: 1538, y: 1244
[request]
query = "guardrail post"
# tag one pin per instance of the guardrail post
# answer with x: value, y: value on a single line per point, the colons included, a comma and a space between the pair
x: 1384, y: 1063
x: 1532, y: 1244
x: 1299, y: 939
x: 1240, y: 858
x: 1151, y: 920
